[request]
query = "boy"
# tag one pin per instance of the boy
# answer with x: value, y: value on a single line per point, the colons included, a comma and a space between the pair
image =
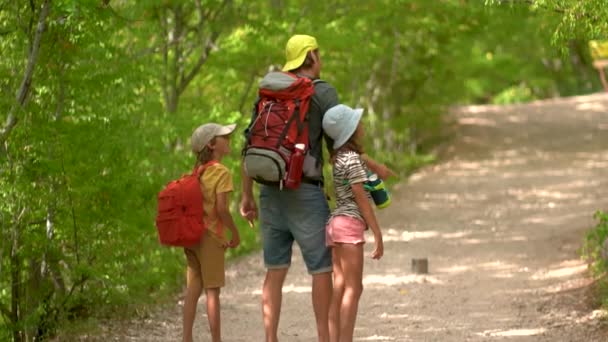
x: 210, y: 143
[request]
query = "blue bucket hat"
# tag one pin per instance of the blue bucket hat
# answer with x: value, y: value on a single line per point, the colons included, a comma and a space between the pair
x: 340, y: 123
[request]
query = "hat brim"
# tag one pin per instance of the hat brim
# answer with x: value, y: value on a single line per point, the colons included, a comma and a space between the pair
x: 225, y: 130
x: 295, y: 63
x: 350, y: 128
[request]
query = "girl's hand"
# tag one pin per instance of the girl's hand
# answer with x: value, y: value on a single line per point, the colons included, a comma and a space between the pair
x: 381, y: 170
x: 378, y: 248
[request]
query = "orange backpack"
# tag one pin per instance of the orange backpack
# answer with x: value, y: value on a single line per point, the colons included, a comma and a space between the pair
x: 179, y: 218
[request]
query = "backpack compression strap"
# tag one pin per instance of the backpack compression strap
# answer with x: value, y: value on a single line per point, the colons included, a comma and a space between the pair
x: 302, y: 90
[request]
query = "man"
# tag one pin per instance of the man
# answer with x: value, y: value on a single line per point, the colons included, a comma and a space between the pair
x: 300, y: 215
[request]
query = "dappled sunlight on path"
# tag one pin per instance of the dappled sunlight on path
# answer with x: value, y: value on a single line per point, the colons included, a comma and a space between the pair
x: 501, y: 220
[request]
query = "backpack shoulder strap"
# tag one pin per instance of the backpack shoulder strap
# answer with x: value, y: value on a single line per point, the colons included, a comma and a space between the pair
x: 314, y: 83
x: 198, y: 170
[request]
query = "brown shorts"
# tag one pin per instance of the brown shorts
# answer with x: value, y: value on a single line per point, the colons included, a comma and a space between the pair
x: 206, y: 262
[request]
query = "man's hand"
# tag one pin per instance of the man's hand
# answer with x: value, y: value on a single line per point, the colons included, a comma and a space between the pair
x: 249, y: 209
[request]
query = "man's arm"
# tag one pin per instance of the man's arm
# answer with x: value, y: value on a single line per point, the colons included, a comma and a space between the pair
x: 246, y: 182
x: 248, y: 207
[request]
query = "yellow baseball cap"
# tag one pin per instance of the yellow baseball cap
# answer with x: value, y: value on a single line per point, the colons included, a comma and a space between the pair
x: 296, y: 49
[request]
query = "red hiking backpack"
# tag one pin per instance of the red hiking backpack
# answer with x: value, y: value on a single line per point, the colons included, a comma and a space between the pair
x: 280, y: 123
x: 179, y: 218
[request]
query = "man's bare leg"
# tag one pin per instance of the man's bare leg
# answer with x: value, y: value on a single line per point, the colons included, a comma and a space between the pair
x: 321, y: 299
x: 272, y: 295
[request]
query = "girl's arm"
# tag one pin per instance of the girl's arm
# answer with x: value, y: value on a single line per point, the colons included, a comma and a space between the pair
x: 223, y: 213
x: 380, y: 169
x: 370, y: 218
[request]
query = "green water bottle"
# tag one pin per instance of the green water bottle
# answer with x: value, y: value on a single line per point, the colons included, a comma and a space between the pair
x: 378, y: 191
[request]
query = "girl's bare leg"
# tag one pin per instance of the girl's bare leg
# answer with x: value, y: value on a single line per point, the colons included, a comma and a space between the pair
x: 336, y: 298
x: 351, y: 261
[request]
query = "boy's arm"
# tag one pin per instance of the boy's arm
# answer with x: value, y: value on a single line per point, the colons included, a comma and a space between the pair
x: 223, y: 213
x: 370, y: 218
x: 380, y: 169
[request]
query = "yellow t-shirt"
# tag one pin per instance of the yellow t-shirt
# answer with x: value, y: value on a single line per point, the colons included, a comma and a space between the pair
x: 216, y: 179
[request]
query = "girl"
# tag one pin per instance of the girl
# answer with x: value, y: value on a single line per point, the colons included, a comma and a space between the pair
x: 210, y: 143
x: 352, y: 216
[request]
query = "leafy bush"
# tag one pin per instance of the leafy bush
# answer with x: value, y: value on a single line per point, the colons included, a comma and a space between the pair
x: 595, y: 251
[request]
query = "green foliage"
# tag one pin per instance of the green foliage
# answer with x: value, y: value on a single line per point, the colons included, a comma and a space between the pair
x: 119, y: 86
x: 595, y: 251
x: 577, y: 19
x: 596, y: 237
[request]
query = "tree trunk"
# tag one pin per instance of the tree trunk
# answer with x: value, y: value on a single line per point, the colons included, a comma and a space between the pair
x: 15, y: 286
x: 177, y: 50
x: 15, y: 265
x: 24, y: 89
x: 392, y: 101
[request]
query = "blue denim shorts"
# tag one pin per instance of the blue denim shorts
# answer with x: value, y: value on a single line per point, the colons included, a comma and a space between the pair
x: 300, y: 215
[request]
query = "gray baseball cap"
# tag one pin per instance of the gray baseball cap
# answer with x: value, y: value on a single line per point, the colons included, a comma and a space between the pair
x: 204, y: 133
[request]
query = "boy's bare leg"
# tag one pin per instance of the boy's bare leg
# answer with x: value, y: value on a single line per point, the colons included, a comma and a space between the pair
x: 321, y: 299
x: 213, y: 313
x: 336, y: 298
x: 351, y: 260
x: 272, y: 296
x: 193, y: 292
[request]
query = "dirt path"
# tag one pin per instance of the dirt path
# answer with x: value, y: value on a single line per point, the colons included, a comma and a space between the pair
x: 500, y: 220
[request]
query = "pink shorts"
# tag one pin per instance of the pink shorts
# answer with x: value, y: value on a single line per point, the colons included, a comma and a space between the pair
x: 344, y: 229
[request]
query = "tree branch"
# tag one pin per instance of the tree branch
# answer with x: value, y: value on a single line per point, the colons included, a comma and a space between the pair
x: 199, y: 64
x: 61, y: 94
x: 532, y: 3
x: 209, y: 44
x: 165, y: 50
x: 176, y: 37
x: 73, y: 212
x: 247, y: 90
x: 6, y: 32
x: 24, y: 89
